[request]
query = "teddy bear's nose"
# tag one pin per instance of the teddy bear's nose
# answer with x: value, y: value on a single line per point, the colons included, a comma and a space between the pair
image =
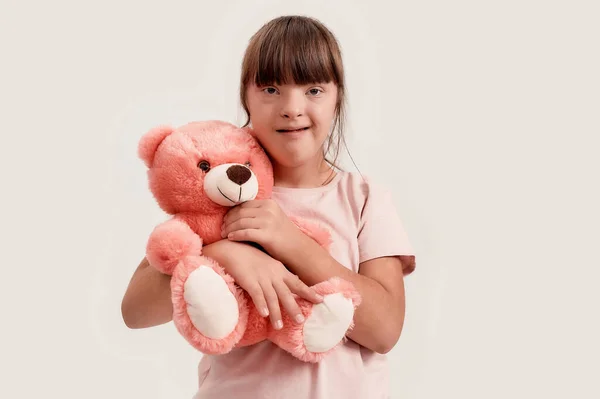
x: 239, y: 174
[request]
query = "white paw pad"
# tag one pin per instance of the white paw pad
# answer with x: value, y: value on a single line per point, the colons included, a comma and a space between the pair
x: 212, y: 308
x: 328, y: 323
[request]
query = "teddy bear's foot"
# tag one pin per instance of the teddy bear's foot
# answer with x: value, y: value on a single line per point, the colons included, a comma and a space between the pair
x: 329, y: 321
x: 326, y: 323
x: 209, y: 309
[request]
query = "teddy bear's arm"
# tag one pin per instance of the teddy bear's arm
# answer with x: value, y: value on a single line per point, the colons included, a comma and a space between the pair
x: 169, y: 243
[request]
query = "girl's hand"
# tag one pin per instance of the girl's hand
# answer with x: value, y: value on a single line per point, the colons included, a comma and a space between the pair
x: 266, y: 280
x: 262, y: 222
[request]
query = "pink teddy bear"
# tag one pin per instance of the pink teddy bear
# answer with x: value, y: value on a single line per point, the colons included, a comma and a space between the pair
x: 196, y: 173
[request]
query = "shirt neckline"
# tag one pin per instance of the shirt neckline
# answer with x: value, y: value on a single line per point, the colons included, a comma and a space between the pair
x: 310, y: 190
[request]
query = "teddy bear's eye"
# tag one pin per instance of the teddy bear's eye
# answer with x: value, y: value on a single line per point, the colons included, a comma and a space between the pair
x: 204, y: 166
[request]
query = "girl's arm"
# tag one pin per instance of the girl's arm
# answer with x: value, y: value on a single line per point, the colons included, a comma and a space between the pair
x: 380, y: 317
x: 147, y: 301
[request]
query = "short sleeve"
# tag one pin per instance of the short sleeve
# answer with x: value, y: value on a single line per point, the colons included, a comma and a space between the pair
x: 381, y: 231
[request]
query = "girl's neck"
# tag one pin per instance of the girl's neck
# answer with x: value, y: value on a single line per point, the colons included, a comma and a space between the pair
x: 306, y: 176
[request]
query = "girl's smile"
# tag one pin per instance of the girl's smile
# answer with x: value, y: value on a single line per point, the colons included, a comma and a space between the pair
x: 292, y: 129
x: 293, y: 133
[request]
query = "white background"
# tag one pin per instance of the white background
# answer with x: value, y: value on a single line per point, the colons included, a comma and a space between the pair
x: 483, y: 117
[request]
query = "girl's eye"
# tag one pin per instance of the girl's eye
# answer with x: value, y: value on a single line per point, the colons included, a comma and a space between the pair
x: 315, y: 92
x: 204, y: 166
x: 270, y: 90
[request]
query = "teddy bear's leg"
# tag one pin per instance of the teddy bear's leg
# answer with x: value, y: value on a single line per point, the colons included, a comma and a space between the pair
x: 326, y: 324
x: 209, y: 309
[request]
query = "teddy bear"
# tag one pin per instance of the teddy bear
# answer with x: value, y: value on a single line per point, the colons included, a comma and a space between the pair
x: 196, y: 173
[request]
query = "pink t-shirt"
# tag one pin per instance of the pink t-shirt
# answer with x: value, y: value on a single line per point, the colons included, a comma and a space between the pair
x: 364, y: 225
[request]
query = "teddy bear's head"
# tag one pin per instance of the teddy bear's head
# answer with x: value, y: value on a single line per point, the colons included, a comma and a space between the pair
x: 204, y: 166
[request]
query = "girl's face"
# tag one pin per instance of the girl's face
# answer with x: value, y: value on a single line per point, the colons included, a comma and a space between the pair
x: 292, y: 121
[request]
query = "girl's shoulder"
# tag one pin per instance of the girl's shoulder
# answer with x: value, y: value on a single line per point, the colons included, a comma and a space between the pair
x: 361, y: 184
x: 367, y: 197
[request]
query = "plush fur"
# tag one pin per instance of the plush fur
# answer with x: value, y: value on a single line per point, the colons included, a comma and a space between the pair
x: 196, y: 173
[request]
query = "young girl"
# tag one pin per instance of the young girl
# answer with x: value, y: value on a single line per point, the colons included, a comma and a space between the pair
x: 292, y: 89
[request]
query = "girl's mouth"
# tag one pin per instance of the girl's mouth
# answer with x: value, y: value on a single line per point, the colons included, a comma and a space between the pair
x: 291, y: 130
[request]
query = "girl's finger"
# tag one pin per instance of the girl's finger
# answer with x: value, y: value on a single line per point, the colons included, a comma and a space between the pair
x: 252, y: 235
x: 298, y: 287
x: 240, y: 224
x: 252, y: 204
x: 256, y: 293
x: 239, y: 213
x: 289, y: 302
x: 273, y: 304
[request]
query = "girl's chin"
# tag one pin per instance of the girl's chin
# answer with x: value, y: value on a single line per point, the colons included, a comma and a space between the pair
x: 295, y: 159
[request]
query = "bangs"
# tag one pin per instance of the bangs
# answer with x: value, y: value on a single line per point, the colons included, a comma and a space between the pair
x: 294, y: 51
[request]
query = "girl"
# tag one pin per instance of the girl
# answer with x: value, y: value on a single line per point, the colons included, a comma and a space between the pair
x: 292, y: 89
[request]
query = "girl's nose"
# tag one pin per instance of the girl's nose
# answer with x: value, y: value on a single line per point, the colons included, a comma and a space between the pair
x: 292, y: 107
x: 291, y: 114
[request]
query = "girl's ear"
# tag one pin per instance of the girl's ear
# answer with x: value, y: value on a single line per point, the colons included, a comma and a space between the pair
x: 150, y: 141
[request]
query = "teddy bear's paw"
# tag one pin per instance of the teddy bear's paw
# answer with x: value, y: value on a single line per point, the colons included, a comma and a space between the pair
x: 169, y: 243
x: 211, y: 306
x: 328, y: 323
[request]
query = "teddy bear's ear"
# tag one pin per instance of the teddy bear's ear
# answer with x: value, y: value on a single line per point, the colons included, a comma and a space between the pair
x: 150, y: 141
x: 249, y: 130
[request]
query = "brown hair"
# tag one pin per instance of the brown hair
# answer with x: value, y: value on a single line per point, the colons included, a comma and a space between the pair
x: 300, y: 50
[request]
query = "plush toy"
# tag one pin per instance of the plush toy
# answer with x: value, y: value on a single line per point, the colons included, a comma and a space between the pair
x: 197, y: 172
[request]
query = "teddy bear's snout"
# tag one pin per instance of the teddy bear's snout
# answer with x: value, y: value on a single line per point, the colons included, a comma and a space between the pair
x: 239, y: 174
x: 230, y: 184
